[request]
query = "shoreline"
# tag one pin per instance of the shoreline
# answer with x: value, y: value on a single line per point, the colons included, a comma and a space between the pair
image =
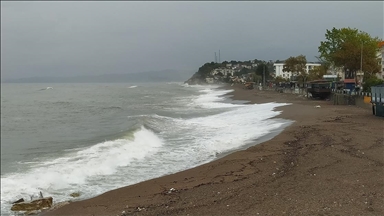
x: 273, y: 177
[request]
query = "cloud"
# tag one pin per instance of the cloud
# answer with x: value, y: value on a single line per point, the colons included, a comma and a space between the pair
x: 78, y: 38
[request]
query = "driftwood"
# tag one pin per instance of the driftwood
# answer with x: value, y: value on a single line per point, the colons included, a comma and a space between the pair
x: 18, y: 201
x: 33, y: 205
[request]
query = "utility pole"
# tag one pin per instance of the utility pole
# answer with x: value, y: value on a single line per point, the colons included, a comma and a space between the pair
x: 361, y: 63
x: 361, y: 58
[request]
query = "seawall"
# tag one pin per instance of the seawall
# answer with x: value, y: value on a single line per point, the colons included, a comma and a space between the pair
x: 361, y: 100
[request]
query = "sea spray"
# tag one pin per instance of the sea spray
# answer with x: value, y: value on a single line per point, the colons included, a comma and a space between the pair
x: 77, y: 169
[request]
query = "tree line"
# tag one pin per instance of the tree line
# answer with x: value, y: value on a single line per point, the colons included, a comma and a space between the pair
x: 348, y: 49
x: 263, y: 67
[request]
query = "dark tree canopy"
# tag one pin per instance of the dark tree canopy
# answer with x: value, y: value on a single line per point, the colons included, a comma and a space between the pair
x: 260, y: 68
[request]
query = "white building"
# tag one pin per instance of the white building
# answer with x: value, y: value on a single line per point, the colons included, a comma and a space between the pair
x: 278, y: 67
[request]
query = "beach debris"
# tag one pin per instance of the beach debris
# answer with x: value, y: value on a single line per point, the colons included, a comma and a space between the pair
x: 18, y: 201
x: 318, y: 106
x: 75, y: 194
x: 172, y: 190
x: 123, y: 213
x: 38, y: 204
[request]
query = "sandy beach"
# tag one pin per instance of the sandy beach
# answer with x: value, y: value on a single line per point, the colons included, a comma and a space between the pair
x: 330, y: 161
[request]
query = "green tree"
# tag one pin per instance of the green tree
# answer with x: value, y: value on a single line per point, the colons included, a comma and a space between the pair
x: 280, y: 79
x: 244, y: 71
x: 204, y: 70
x: 317, y: 72
x: 370, y: 81
x: 296, y: 65
x: 344, y: 48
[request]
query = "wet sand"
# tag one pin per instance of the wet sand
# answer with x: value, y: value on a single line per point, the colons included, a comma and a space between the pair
x: 330, y: 161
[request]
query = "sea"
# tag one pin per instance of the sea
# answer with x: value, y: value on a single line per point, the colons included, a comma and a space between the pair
x: 91, y: 138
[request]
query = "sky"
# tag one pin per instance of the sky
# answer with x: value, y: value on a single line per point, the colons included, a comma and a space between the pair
x: 95, y: 37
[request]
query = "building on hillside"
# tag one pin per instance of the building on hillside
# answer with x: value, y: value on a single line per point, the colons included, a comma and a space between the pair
x: 278, y: 69
x: 224, y: 71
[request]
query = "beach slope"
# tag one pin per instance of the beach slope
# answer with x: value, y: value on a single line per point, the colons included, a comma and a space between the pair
x: 329, y: 161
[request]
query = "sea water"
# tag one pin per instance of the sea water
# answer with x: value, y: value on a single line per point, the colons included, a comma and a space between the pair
x: 92, y: 138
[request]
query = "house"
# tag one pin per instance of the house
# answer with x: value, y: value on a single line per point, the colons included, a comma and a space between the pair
x: 278, y: 69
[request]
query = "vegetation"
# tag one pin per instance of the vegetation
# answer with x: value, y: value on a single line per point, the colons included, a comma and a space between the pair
x: 296, y: 65
x: 261, y: 68
x: 244, y: 71
x: 344, y: 48
x: 281, y: 79
x: 256, y: 78
x: 317, y: 72
x: 371, y: 81
x: 207, y: 68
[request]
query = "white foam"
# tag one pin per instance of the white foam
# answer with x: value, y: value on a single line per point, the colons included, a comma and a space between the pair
x: 132, y: 86
x: 75, y: 171
x: 212, y: 98
x: 233, y: 129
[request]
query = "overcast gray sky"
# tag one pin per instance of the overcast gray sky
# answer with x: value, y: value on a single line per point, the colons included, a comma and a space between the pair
x: 81, y: 38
